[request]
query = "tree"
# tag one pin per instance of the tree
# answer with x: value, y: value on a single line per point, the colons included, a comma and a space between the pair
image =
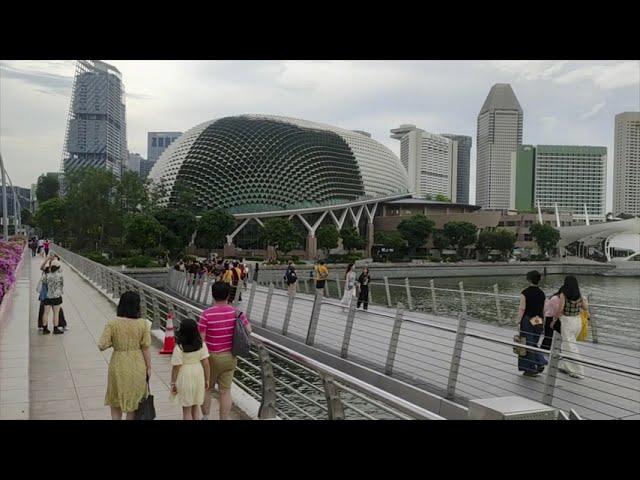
x: 26, y: 217
x: 390, y: 239
x: 504, y: 241
x: 351, y: 239
x: 213, y: 228
x: 545, y: 236
x: 328, y: 237
x: 179, y: 227
x: 51, y: 218
x: 183, y: 197
x: 416, y: 230
x: 485, y: 242
x: 280, y: 233
x: 48, y: 187
x: 440, y: 241
x: 626, y: 216
x: 442, y: 198
x: 132, y: 193
x: 460, y: 234
x: 142, y: 231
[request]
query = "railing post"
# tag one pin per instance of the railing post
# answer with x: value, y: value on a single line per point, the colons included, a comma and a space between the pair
x: 252, y: 294
x: 287, y: 315
x: 433, y: 297
x: 313, y: 322
x: 267, y: 305
x: 306, y: 285
x: 386, y: 289
x: 199, y: 295
x: 393, y: 342
x: 346, y: 339
x: 592, y: 324
x: 338, y: 284
x: 156, y: 311
x: 335, y: 409
x: 463, y: 301
x: 456, y: 357
x: 498, y: 307
x: 327, y: 293
x: 237, y: 295
x: 268, y: 403
x: 409, y: 299
x: 552, y: 369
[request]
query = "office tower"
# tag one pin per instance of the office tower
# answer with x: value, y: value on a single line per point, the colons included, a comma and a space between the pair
x: 626, y: 166
x: 572, y: 177
x: 96, y: 133
x: 430, y: 161
x: 157, y: 142
x: 522, y: 178
x: 463, y: 166
x: 499, y: 134
x: 145, y: 167
x: 134, y: 162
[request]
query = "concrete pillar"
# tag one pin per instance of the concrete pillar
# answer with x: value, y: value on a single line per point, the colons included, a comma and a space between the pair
x: 229, y: 250
x: 311, y: 247
x: 370, y: 236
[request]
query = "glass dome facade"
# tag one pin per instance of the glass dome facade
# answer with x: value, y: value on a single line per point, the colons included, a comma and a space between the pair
x: 256, y: 163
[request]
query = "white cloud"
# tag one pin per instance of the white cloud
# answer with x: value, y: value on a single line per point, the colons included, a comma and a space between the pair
x: 530, y: 69
x: 594, y: 111
x: 606, y: 77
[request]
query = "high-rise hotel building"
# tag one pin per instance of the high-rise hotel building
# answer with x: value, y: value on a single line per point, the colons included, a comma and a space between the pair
x: 430, y: 161
x: 96, y: 134
x: 499, y: 135
x: 626, y: 164
x: 463, y: 166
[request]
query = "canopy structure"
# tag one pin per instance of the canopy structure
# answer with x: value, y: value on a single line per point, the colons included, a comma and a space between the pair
x: 623, y: 234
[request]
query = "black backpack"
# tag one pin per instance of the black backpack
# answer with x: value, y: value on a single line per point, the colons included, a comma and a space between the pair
x: 241, y: 346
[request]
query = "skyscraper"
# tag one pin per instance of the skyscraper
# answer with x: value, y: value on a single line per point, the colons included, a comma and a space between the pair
x: 134, y: 162
x: 626, y: 166
x: 572, y: 177
x: 157, y: 142
x: 463, y: 162
x: 430, y: 161
x: 523, y: 178
x: 96, y: 133
x: 499, y: 135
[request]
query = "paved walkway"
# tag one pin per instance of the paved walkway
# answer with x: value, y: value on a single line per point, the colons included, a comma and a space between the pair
x: 68, y: 374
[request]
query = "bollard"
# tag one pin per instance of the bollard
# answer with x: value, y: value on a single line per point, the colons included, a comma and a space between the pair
x: 267, y: 305
x: 552, y: 369
x: 498, y: 308
x: 335, y: 408
x: 463, y: 301
x: 409, y: 299
x: 313, y: 322
x: 287, y: 315
x: 386, y: 288
x: 393, y: 342
x: 433, y: 297
x: 338, y: 284
x: 456, y: 357
x: 346, y: 339
x: 252, y: 294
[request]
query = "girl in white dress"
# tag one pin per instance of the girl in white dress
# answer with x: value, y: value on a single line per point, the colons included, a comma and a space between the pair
x: 190, y: 372
x: 349, y: 287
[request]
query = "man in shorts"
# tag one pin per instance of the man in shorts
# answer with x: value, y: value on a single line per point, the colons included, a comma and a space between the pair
x: 217, y: 325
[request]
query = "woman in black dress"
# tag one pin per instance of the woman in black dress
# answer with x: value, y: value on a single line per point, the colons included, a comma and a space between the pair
x: 363, y: 281
x: 531, y: 314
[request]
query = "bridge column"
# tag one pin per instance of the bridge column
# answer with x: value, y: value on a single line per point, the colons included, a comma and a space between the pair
x: 370, y: 230
x: 311, y: 247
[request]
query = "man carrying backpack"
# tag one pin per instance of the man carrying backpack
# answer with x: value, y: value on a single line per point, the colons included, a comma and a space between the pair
x: 291, y: 277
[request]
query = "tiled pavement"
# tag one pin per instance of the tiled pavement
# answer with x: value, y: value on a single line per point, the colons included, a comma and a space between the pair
x: 68, y: 374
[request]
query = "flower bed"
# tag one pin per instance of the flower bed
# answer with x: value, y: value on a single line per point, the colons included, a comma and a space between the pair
x: 10, y: 255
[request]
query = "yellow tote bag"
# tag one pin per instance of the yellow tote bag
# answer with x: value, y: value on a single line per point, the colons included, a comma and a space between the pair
x: 584, y: 317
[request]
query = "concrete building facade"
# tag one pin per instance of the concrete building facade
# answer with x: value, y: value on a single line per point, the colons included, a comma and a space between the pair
x: 134, y: 161
x: 522, y: 178
x: 499, y: 133
x: 626, y: 166
x: 157, y: 142
x: 430, y: 160
x: 463, y: 166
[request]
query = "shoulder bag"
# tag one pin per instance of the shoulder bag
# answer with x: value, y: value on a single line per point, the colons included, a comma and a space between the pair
x: 146, y: 410
x: 241, y: 346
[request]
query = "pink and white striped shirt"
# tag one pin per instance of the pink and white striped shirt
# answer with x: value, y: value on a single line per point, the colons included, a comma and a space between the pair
x: 217, y: 324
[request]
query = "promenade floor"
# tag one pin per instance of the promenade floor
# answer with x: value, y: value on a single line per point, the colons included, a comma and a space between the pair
x: 68, y: 373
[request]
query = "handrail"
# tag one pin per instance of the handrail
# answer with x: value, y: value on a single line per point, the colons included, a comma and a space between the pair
x: 330, y: 377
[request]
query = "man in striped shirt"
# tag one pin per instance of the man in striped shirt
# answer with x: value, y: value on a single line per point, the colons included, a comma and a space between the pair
x: 217, y: 325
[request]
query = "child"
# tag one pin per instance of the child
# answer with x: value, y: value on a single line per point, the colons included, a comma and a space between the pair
x: 190, y: 372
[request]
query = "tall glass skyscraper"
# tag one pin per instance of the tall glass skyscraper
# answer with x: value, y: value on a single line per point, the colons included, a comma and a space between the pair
x: 499, y: 135
x: 463, y: 161
x: 96, y: 133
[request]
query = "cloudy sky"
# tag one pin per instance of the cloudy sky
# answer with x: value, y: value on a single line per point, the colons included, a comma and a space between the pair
x: 564, y: 102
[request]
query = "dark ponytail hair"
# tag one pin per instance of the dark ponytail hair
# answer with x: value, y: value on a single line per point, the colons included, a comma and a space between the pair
x: 570, y: 288
x: 188, y: 336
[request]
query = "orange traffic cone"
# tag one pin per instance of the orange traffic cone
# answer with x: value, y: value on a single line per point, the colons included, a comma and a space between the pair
x: 169, y: 339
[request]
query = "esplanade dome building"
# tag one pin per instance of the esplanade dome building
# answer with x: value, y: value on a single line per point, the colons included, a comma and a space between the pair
x: 262, y: 163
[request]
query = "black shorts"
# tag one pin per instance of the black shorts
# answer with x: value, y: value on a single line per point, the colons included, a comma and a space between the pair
x: 53, y: 301
x: 320, y: 283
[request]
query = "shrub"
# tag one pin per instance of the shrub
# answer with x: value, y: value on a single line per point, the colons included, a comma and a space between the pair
x: 347, y: 258
x: 141, y: 261
x: 97, y: 257
x: 538, y: 258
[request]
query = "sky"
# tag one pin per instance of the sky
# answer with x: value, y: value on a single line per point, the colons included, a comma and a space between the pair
x: 564, y: 102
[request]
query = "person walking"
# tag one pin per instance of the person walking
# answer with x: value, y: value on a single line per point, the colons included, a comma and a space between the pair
x: 322, y: 273
x: 33, y: 246
x: 363, y: 282
x: 46, y: 245
x: 531, y: 312
x: 40, y: 247
x: 130, y: 365
x: 190, y: 370
x: 349, y: 287
x: 571, y: 303
x: 291, y: 277
x: 217, y: 326
x: 551, y: 320
x: 54, y: 283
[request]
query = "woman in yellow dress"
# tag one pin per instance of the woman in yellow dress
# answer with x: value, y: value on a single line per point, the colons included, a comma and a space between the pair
x: 130, y: 364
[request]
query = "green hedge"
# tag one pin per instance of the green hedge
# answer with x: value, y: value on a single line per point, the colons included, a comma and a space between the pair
x: 348, y: 258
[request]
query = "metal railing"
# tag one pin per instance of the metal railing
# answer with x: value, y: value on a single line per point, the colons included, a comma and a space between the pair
x: 287, y: 384
x: 455, y: 358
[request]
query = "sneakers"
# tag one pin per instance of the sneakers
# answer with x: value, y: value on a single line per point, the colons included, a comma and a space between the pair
x: 57, y: 331
x: 530, y: 374
x: 45, y: 331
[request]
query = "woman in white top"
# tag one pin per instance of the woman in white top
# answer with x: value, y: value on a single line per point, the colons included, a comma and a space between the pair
x: 349, y: 287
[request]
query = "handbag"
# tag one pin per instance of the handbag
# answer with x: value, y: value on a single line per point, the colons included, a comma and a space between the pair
x: 520, y: 351
x: 241, y: 346
x: 584, y: 318
x: 146, y: 410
